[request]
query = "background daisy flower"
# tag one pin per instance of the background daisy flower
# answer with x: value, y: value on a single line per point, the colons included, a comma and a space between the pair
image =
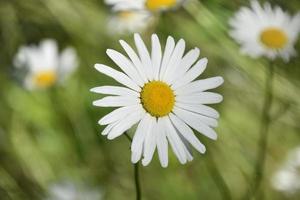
x: 150, y: 5
x: 287, y: 178
x: 162, y: 96
x: 129, y: 21
x: 44, y: 65
x: 265, y: 31
x: 67, y: 190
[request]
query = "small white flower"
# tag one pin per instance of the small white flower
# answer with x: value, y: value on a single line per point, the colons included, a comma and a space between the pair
x: 162, y: 96
x: 287, y: 179
x: 70, y: 191
x: 263, y: 31
x: 129, y: 21
x: 44, y: 65
x: 150, y: 5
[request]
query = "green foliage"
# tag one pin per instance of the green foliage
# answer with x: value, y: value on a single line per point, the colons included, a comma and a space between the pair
x: 52, y: 135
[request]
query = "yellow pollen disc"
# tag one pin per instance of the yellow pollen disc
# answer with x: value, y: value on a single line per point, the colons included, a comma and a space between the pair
x: 159, y: 4
x: 157, y: 98
x: 274, y: 38
x: 45, y: 79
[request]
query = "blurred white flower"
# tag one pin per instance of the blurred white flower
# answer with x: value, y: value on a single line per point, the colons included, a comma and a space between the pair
x: 70, y: 191
x: 44, y: 65
x: 162, y: 97
x: 287, y: 179
x: 129, y: 21
x: 263, y: 31
x: 150, y: 5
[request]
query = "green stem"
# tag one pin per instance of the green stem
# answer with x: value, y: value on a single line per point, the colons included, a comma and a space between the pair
x: 263, y: 132
x: 137, y: 182
x: 136, y: 175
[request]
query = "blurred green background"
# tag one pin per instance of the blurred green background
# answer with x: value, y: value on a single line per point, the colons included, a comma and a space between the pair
x: 51, y: 136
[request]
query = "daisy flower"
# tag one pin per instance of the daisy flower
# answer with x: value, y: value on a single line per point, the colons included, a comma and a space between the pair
x: 150, y: 5
x: 287, y: 179
x: 44, y: 65
x: 265, y: 31
x: 129, y: 21
x: 160, y: 95
x: 67, y: 190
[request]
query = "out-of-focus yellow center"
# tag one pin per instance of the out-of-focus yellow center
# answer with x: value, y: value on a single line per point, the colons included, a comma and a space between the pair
x: 45, y: 79
x: 125, y: 14
x: 159, y: 4
x: 157, y: 98
x: 274, y: 38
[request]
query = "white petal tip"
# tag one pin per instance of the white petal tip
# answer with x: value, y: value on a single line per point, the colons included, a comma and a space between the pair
x: 134, y: 157
x: 154, y: 35
x: 221, y: 98
x: 103, y: 134
x: 93, y: 90
x: 100, y: 122
x: 214, y: 137
x: 109, y: 51
x: 97, y: 67
x: 137, y: 35
x: 164, y: 165
x: 145, y: 162
x: 221, y: 80
x: 202, y: 150
x: 110, y: 137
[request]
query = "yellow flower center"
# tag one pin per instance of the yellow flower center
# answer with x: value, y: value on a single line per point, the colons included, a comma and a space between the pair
x: 274, y: 38
x: 125, y: 14
x: 157, y: 98
x: 45, y: 79
x: 159, y: 4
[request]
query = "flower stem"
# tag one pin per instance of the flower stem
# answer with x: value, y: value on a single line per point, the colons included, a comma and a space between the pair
x: 263, y: 132
x: 137, y: 182
x: 136, y: 175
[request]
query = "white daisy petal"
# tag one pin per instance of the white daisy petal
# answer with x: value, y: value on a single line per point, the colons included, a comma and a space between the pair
x: 144, y: 55
x: 187, y: 133
x: 174, y: 60
x: 68, y: 63
x: 118, y: 76
x: 125, y: 65
x: 201, y: 109
x: 135, y: 60
x: 115, y: 90
x: 186, y: 62
x: 167, y: 55
x: 196, y: 124
x: 199, y: 86
x: 116, y: 101
x: 49, y: 51
x: 200, y: 98
x: 119, y: 114
x: 192, y: 74
x: 162, y: 144
x: 125, y: 124
x: 139, y: 138
x: 175, y: 142
x: 108, y: 128
x: 206, y: 120
x: 156, y: 55
x: 150, y: 142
